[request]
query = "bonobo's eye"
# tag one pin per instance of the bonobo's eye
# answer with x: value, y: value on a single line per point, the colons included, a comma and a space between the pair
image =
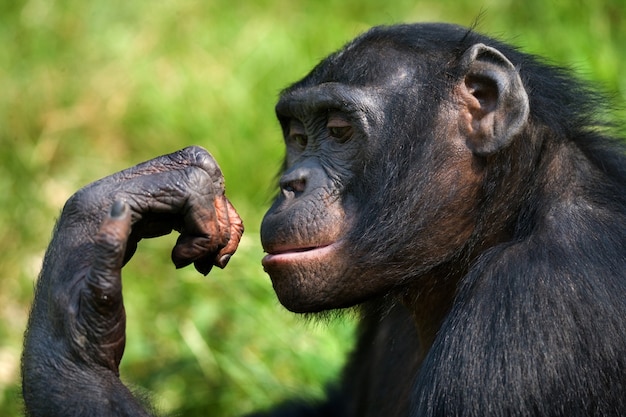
x: 339, y: 127
x: 297, y: 135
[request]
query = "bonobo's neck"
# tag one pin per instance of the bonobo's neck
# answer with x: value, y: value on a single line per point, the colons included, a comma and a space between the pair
x: 429, y: 302
x: 431, y: 297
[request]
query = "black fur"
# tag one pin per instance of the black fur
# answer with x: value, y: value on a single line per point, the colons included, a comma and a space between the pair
x: 524, y: 316
x: 538, y: 323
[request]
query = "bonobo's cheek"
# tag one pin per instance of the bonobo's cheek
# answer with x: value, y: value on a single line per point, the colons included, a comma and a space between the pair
x: 309, y: 281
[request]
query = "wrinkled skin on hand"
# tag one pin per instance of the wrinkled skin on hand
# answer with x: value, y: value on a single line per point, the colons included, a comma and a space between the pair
x: 78, y: 305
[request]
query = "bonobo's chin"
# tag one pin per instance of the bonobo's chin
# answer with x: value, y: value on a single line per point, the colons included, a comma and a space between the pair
x: 309, y: 280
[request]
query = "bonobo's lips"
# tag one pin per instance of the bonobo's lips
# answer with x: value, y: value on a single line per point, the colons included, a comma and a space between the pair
x: 289, y: 255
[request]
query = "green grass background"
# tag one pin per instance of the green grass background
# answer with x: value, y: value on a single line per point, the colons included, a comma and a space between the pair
x: 91, y: 87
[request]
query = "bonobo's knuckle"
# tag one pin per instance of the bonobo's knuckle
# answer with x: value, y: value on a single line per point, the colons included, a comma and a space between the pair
x: 200, y: 157
x: 199, y: 182
x: 84, y: 201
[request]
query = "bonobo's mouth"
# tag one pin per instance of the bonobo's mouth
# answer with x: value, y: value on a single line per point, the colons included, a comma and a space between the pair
x: 298, y: 254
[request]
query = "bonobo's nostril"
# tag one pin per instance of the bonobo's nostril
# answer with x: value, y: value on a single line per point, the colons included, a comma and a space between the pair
x: 296, y: 186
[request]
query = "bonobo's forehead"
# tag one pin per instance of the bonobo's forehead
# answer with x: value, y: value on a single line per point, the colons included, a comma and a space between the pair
x: 365, y: 64
x: 389, y: 56
x: 377, y: 63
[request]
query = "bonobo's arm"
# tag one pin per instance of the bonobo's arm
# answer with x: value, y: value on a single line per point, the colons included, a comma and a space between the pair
x: 76, y: 332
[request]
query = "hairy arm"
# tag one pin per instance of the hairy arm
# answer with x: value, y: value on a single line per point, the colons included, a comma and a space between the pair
x: 76, y: 333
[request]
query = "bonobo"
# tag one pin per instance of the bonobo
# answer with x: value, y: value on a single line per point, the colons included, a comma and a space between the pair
x: 464, y: 194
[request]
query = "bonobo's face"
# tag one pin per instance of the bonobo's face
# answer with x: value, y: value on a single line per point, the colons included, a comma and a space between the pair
x: 305, y: 231
x: 386, y: 145
x: 332, y: 123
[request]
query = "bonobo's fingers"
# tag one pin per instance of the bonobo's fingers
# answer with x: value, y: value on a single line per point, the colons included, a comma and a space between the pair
x: 192, y: 156
x: 230, y: 228
x: 102, y: 315
x: 230, y: 220
x: 200, y: 236
x: 224, y: 229
x: 182, y: 191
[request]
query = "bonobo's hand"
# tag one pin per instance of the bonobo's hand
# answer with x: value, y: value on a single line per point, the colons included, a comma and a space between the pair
x: 76, y: 331
x: 183, y: 191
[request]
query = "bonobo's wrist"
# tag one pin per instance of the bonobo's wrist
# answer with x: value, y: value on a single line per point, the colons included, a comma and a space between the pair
x: 85, y: 209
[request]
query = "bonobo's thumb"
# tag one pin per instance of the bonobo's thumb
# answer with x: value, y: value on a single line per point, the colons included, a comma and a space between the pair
x: 103, y: 313
x: 110, y: 245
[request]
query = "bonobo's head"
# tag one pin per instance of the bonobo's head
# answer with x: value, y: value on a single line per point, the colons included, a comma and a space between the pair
x: 386, y: 142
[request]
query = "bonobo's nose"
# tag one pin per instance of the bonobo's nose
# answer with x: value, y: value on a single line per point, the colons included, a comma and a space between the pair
x: 294, y: 182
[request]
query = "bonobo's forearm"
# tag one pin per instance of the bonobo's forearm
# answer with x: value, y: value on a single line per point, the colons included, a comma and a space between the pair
x: 75, y: 337
x: 76, y: 333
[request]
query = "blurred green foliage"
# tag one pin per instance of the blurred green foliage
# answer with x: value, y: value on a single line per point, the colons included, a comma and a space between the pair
x: 88, y: 88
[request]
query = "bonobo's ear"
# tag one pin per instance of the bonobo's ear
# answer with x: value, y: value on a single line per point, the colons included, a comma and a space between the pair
x: 495, y: 102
